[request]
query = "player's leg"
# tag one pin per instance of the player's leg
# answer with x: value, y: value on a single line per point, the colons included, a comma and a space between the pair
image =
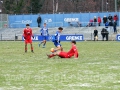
x: 61, y: 54
x: 45, y: 40
x: 31, y: 47
x: 58, y: 46
x: 25, y: 47
x: 44, y: 43
x: 53, y: 54
x: 41, y: 41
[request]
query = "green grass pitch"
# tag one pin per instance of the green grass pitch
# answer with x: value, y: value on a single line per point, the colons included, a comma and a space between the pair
x: 98, y: 67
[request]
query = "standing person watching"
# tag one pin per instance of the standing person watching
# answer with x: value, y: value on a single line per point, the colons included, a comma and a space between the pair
x: 115, y: 17
x: 105, y: 19
x: 110, y: 18
x: 39, y: 21
x: 114, y: 26
x: 99, y: 21
x: 95, y: 34
x: 27, y: 34
x: 95, y: 20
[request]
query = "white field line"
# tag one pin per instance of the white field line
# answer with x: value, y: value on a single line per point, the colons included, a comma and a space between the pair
x: 114, y: 67
x: 13, y: 88
x: 80, y: 85
x: 1, y: 88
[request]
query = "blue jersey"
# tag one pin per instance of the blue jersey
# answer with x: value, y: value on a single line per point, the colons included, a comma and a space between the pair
x: 56, y: 39
x: 57, y: 36
x: 44, y: 31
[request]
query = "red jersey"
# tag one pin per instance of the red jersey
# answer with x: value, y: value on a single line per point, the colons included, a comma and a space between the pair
x: 27, y: 33
x: 73, y: 52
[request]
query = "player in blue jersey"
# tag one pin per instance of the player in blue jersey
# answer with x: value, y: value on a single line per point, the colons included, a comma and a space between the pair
x: 56, y: 39
x: 44, y: 34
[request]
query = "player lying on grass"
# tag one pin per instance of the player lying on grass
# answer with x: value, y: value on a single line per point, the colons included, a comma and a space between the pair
x: 56, y: 39
x: 72, y: 52
x: 27, y: 34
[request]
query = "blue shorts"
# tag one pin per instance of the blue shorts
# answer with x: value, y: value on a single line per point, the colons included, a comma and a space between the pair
x: 44, y: 37
x: 57, y: 44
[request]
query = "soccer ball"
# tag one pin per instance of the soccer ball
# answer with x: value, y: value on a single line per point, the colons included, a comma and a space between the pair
x: 52, y: 49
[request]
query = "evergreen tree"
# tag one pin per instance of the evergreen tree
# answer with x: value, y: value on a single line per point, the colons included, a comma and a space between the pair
x: 35, y: 6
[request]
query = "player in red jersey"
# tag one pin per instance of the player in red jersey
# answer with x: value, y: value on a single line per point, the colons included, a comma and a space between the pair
x: 72, y: 52
x: 27, y: 34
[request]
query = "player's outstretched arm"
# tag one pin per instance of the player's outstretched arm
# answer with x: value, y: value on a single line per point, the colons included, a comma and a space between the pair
x: 75, y: 54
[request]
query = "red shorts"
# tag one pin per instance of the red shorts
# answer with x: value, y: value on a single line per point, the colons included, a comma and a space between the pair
x: 28, y: 41
x: 63, y: 55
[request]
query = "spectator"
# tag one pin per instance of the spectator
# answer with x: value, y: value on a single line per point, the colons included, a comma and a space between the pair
x: 39, y: 21
x: 95, y: 20
x: 106, y: 24
x: 104, y: 34
x: 90, y: 23
x: 115, y: 18
x: 99, y: 21
x: 114, y: 26
x: 110, y: 23
x: 70, y: 24
x: 110, y: 26
x: 110, y: 18
x: 104, y: 19
x: 95, y: 34
x: 78, y: 24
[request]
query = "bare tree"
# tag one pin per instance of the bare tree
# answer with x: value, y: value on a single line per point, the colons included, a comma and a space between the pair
x: 50, y: 6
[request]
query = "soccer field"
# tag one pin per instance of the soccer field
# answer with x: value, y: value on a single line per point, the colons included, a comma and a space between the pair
x: 98, y: 67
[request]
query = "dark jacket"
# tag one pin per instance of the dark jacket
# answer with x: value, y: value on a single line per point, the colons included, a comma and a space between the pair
x: 95, y: 19
x: 104, y: 19
x: 110, y: 18
x: 114, y: 24
x: 39, y: 19
x: 104, y: 31
x: 95, y: 32
x: 110, y: 23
